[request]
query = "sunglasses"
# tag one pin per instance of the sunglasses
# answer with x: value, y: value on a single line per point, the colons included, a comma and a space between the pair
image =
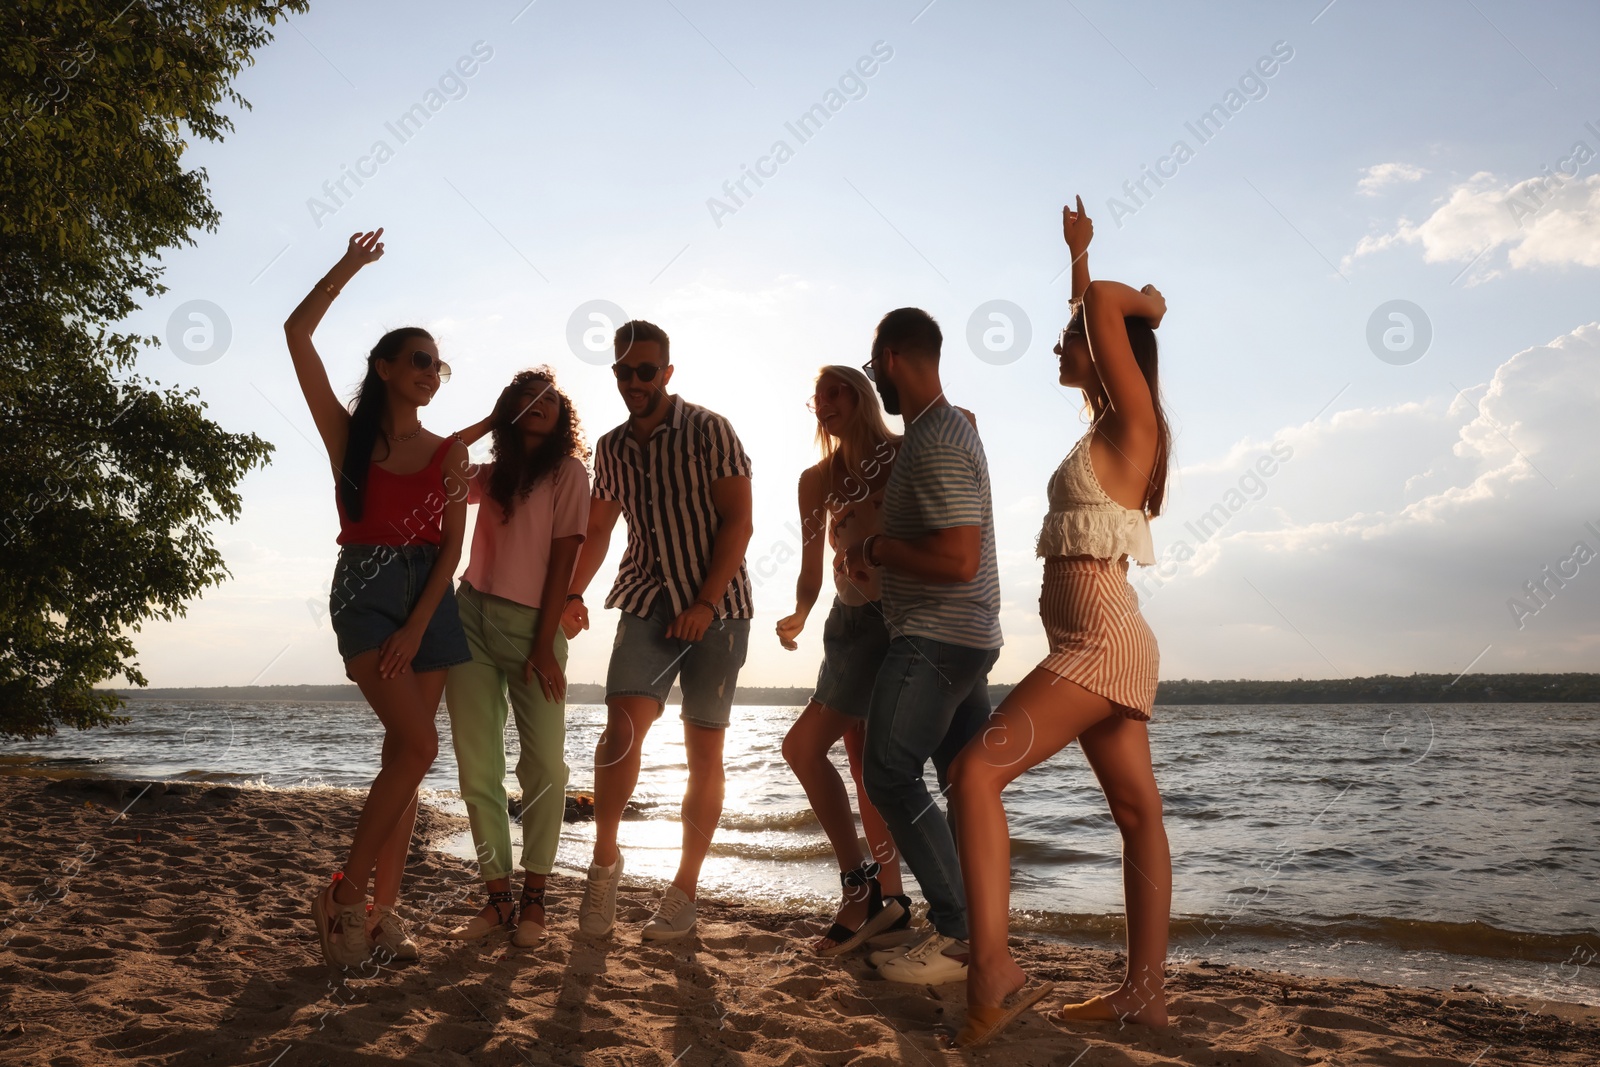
x: 625, y: 372
x: 827, y: 394
x: 427, y: 361
x: 867, y: 369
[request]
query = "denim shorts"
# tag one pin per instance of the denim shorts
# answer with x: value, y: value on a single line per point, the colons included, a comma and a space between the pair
x: 645, y: 662
x: 374, y: 589
x: 854, y: 640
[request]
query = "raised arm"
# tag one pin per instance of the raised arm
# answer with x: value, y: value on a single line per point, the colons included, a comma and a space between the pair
x: 1078, y: 229
x: 1105, y: 306
x: 331, y: 417
x: 813, y: 530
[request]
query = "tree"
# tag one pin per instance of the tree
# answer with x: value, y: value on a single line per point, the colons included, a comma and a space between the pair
x: 109, y: 484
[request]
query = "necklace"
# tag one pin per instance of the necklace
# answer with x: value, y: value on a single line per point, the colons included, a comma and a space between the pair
x: 409, y: 436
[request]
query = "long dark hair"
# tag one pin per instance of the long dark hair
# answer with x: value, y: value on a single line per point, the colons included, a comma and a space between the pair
x: 1142, y: 340
x: 516, y: 471
x: 366, y: 416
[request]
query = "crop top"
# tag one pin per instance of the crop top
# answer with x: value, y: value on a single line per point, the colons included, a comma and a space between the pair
x: 399, y: 509
x: 1085, y: 521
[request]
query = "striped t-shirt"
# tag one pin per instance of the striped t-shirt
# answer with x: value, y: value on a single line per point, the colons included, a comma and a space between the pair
x: 941, y: 480
x: 664, y: 488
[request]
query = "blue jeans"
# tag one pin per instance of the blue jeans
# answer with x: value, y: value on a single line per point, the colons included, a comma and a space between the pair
x: 929, y: 700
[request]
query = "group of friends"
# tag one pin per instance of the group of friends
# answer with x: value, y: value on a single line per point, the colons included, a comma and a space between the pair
x: 908, y: 641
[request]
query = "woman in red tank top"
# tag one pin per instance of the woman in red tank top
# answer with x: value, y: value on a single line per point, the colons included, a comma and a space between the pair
x: 402, y: 499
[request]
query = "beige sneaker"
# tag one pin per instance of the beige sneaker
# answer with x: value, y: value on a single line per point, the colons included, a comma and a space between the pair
x: 390, y: 940
x: 597, y: 914
x: 675, y: 917
x: 341, y: 928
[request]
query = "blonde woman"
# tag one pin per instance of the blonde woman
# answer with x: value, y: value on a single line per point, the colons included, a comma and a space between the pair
x: 841, y: 500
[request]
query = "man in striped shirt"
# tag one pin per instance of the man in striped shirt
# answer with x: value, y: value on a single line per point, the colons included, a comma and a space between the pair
x: 941, y: 600
x: 680, y: 475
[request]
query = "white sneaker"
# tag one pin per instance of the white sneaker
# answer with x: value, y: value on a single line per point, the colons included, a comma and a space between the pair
x: 389, y: 936
x: 675, y: 917
x: 597, y: 915
x: 925, y: 963
x: 879, y: 956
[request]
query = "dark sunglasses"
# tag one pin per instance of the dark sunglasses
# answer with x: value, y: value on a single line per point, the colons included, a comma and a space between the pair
x: 625, y: 372
x: 827, y: 394
x: 866, y: 368
x: 426, y: 361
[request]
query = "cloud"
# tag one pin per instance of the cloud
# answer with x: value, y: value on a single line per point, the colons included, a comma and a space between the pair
x: 1377, y: 178
x: 1544, y: 221
x: 1399, y: 539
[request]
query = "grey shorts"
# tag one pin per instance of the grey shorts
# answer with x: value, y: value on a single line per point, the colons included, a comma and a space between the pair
x: 645, y: 662
x: 854, y: 642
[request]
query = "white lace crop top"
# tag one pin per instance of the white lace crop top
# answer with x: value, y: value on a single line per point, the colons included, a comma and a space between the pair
x: 1084, y: 521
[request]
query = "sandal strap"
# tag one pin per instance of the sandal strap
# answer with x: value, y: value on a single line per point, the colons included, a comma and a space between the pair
x: 532, y: 894
x: 504, y: 896
x: 862, y: 875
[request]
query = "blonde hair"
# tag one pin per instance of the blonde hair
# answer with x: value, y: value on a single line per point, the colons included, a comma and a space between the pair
x: 866, y: 431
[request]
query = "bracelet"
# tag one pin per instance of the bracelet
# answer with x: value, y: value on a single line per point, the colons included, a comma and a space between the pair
x: 709, y: 605
x: 574, y: 596
x: 866, y: 549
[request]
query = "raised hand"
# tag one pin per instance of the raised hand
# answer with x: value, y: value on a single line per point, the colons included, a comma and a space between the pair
x: 1158, y: 305
x: 365, y: 247
x: 1077, y: 227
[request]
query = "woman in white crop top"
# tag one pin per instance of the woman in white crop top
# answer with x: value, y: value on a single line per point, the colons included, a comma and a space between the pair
x: 1098, y: 683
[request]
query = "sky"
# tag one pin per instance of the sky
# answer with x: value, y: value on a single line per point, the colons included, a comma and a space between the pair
x: 1377, y: 227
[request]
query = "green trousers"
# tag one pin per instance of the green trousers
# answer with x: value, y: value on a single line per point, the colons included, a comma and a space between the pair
x: 499, y: 633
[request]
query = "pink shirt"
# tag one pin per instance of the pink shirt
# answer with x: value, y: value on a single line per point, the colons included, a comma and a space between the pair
x: 509, y: 559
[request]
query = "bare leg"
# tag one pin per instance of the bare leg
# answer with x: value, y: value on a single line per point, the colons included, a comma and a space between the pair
x: 396, y: 848
x: 1036, y: 720
x: 411, y: 741
x: 805, y: 749
x: 702, y: 802
x: 872, y: 824
x: 1119, y: 751
x: 616, y: 768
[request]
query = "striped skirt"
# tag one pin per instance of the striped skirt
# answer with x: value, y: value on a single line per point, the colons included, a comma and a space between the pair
x: 1097, y: 636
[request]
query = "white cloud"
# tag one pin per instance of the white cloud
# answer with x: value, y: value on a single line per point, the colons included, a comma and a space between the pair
x: 1546, y: 221
x: 1396, y: 539
x: 1377, y: 178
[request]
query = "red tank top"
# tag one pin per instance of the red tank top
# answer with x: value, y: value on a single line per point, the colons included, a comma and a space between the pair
x: 399, y: 509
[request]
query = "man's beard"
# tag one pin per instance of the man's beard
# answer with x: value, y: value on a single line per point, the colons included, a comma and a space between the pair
x: 888, y: 394
x: 651, y: 404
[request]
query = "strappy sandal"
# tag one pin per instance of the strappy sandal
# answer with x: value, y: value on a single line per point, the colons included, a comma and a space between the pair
x: 881, y: 914
x: 529, y: 933
x: 477, y: 927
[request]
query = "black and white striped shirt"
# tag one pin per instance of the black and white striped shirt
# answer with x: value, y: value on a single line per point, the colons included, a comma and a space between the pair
x: 664, y: 488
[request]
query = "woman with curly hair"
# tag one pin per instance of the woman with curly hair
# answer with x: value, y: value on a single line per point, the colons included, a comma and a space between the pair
x: 533, y: 511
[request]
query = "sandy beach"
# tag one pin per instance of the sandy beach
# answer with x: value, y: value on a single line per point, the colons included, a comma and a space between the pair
x: 168, y: 925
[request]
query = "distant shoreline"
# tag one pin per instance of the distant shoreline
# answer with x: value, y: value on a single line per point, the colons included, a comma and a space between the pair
x: 1379, y: 689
